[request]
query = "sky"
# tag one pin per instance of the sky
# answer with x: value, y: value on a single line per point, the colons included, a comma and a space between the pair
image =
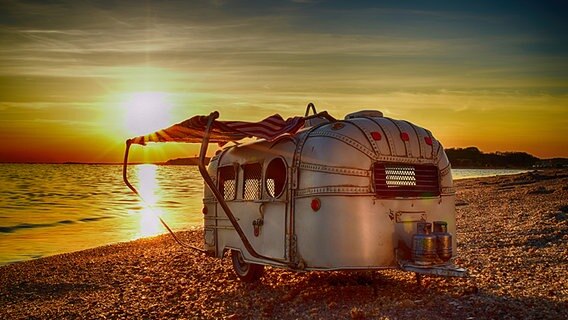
x: 77, y: 78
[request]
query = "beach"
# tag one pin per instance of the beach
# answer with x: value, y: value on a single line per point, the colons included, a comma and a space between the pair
x: 45, y: 206
x: 512, y: 237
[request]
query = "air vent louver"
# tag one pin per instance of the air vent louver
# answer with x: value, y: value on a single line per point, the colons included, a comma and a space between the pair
x: 403, y: 180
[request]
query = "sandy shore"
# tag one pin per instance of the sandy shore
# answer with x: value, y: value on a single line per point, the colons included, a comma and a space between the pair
x: 513, y: 238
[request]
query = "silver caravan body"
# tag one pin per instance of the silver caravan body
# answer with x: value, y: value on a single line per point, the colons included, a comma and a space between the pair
x: 336, y: 195
x: 323, y: 194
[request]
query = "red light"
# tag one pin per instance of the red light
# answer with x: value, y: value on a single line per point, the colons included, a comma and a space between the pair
x: 428, y: 140
x: 404, y: 136
x: 376, y: 136
x: 204, y: 210
x: 316, y: 204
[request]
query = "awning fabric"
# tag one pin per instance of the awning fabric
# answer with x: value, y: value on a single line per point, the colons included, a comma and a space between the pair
x: 193, y: 129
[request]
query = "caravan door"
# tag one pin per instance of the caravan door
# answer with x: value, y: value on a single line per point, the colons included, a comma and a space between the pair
x: 274, y: 209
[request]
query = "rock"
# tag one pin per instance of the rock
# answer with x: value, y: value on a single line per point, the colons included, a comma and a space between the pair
x: 460, y: 203
x: 473, y: 289
x: 407, y: 303
x: 357, y: 313
x: 314, y: 312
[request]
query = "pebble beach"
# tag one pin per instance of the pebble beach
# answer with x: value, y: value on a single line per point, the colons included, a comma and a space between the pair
x: 512, y: 237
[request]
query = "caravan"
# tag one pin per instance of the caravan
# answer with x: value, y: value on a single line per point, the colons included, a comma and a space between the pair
x: 317, y: 193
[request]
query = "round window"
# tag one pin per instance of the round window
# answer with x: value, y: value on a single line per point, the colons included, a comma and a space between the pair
x: 275, y: 177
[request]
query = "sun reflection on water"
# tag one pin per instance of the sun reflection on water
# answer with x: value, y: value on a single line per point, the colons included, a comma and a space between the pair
x: 149, y: 190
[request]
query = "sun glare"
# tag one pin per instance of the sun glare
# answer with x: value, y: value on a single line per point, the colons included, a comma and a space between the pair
x: 146, y: 112
x: 149, y: 188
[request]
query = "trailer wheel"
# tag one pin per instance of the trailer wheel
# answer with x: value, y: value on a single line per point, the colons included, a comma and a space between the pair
x: 247, y: 272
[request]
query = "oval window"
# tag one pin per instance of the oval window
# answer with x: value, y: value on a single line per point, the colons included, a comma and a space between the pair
x: 275, y: 177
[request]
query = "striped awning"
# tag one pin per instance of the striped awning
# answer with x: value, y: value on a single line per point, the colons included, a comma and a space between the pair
x: 193, y: 130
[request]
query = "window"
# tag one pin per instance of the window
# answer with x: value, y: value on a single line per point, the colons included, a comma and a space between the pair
x: 403, y: 180
x: 252, y: 174
x: 275, y: 177
x: 228, y: 182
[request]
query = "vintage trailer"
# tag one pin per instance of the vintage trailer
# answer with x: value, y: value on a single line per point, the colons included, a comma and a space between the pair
x: 360, y: 193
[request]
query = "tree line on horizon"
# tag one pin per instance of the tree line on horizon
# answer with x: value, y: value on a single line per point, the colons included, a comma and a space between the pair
x: 472, y: 157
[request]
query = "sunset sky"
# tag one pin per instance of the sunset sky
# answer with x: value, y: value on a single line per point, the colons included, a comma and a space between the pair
x: 79, y: 77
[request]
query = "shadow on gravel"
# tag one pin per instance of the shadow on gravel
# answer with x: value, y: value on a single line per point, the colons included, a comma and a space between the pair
x: 371, y: 295
x: 546, y: 237
x: 528, y: 178
x: 37, y: 290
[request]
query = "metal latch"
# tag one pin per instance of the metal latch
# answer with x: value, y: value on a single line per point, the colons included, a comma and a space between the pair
x: 256, y: 225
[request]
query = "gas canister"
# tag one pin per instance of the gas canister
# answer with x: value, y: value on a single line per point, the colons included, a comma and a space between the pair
x: 443, y: 240
x: 424, y: 244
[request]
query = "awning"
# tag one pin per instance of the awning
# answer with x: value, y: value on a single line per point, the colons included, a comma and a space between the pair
x: 193, y: 130
x: 205, y: 129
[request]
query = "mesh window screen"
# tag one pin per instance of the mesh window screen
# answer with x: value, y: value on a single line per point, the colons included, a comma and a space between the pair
x: 228, y: 182
x: 271, y: 187
x: 400, y: 176
x: 252, y: 174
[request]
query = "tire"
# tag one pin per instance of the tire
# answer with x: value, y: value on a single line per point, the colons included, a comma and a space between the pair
x: 247, y: 272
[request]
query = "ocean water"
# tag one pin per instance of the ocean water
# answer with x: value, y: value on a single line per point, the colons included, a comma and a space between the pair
x: 47, y: 209
x: 458, y: 174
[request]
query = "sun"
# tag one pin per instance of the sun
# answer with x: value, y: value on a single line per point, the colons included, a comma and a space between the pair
x: 146, y: 112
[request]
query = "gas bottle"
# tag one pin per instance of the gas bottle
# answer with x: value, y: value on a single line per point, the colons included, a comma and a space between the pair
x: 424, y: 244
x: 443, y: 240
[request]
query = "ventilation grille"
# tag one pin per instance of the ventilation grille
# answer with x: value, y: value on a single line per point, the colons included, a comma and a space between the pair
x: 402, y: 180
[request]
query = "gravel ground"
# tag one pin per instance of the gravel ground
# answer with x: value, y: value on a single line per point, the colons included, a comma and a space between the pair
x: 512, y: 236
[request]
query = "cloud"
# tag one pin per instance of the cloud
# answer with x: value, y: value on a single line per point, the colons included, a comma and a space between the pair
x: 93, y: 39
x: 72, y: 61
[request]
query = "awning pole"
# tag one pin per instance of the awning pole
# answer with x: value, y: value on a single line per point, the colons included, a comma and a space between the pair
x: 125, y: 168
x: 131, y: 187
x: 209, y: 181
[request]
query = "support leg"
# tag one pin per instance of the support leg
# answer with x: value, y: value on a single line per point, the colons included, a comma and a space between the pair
x: 418, y: 279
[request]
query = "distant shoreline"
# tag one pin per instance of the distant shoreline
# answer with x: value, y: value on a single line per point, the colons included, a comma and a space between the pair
x: 460, y: 158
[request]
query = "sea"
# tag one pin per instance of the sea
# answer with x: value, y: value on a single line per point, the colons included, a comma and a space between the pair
x: 47, y: 209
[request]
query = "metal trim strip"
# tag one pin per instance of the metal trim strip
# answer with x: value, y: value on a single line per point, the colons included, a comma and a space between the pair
x: 221, y: 227
x: 445, y: 170
x: 418, y: 137
x: 448, y: 190
x: 335, y: 170
x: 367, y: 134
x: 335, y: 190
x: 406, y: 160
x: 405, y: 143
